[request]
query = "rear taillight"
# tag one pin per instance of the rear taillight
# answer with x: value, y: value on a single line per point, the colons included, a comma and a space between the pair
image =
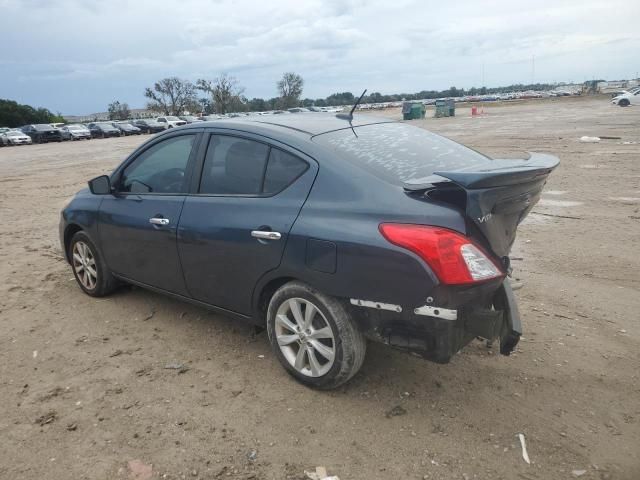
x: 453, y: 257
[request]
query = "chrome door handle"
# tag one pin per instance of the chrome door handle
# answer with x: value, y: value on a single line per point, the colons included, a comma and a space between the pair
x: 159, y: 221
x: 266, y: 235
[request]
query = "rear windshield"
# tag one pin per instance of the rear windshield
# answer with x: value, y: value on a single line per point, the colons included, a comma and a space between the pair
x: 399, y: 153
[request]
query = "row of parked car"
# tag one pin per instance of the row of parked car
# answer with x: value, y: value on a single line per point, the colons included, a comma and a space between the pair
x: 57, y: 132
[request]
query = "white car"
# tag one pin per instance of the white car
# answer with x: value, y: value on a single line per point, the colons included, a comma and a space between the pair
x: 15, y: 137
x: 171, y: 121
x: 631, y: 97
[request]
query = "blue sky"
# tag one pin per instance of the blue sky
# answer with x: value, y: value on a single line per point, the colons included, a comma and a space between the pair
x: 76, y: 56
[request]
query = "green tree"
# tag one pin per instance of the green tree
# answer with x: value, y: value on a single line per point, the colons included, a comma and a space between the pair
x: 257, y: 105
x: 344, y: 98
x: 118, y: 111
x: 225, y: 92
x: 171, y: 96
x: 290, y: 89
x: 14, y: 114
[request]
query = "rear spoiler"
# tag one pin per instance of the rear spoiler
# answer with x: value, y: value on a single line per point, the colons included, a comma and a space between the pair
x: 496, y: 173
x: 499, y: 194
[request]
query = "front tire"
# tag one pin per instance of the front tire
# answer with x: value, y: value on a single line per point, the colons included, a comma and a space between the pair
x: 314, y: 337
x: 624, y: 102
x: 89, y: 269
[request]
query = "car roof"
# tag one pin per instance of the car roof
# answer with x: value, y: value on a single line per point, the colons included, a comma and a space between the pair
x: 310, y: 124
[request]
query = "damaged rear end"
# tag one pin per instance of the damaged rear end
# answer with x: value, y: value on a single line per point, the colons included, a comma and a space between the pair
x: 472, y: 296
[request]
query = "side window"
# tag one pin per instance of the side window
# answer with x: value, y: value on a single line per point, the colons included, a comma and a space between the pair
x: 233, y: 166
x: 159, y: 169
x: 282, y: 170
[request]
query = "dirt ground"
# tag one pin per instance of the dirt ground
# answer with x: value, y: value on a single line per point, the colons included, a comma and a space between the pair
x: 84, y: 389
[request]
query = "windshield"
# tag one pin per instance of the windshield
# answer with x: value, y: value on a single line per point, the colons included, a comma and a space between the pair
x: 15, y: 134
x: 173, y: 119
x: 43, y: 127
x: 75, y: 127
x: 399, y: 153
x: 106, y: 126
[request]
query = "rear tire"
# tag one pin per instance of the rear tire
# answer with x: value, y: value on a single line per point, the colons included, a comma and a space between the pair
x: 314, y: 337
x: 624, y: 102
x: 89, y: 269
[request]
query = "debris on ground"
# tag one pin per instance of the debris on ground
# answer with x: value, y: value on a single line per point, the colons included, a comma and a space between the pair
x: 180, y: 367
x: 525, y: 455
x: 149, y: 316
x: 396, y: 411
x: 72, y: 427
x: 139, y: 470
x: 320, y: 474
x: 578, y: 473
x: 46, y: 418
x: 586, y: 139
x: 252, y: 455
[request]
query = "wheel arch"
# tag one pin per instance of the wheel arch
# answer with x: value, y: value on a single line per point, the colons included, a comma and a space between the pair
x: 69, y: 232
x: 263, y: 296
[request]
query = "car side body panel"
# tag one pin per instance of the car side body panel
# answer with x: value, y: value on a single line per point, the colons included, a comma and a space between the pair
x: 80, y: 214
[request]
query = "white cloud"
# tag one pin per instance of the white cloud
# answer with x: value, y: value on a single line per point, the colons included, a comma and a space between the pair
x: 76, y: 56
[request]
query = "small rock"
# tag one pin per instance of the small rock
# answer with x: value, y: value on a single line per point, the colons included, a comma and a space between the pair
x: 139, y: 470
x: 72, y: 427
x: 46, y: 418
x: 396, y: 411
x: 578, y: 473
x: 252, y: 455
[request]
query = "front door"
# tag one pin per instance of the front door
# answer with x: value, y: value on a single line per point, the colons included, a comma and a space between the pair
x: 138, y: 223
x: 234, y: 230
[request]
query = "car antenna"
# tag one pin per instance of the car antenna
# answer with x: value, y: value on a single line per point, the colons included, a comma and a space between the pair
x: 349, y: 117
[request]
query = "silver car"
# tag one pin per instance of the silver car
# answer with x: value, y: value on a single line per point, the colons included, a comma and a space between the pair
x: 15, y: 137
x: 75, y: 132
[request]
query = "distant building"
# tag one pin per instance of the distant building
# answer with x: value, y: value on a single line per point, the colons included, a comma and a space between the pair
x: 616, y: 86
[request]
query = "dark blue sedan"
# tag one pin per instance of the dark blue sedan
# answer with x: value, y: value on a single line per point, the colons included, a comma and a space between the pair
x: 329, y: 232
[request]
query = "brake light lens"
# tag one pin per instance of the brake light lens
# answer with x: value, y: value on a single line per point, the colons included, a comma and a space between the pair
x: 453, y: 257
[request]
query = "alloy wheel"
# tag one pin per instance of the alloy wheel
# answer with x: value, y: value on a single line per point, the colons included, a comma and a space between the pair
x: 305, y: 337
x: 84, y: 264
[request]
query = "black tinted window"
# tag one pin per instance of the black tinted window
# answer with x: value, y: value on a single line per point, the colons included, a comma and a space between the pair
x: 159, y: 169
x: 233, y: 166
x: 282, y: 169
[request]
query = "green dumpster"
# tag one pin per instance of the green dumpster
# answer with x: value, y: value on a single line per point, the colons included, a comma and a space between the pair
x: 445, y: 107
x: 413, y: 111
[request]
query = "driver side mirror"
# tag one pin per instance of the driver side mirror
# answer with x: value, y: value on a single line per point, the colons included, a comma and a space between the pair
x: 100, y: 185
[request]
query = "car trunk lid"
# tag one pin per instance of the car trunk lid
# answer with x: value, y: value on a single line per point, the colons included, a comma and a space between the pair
x: 496, y: 196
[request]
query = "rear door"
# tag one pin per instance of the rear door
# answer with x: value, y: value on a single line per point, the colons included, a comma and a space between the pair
x: 138, y: 223
x: 235, y: 228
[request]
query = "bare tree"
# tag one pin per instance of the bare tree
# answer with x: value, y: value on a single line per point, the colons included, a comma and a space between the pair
x: 171, y: 96
x: 118, y: 111
x: 225, y: 91
x: 290, y: 89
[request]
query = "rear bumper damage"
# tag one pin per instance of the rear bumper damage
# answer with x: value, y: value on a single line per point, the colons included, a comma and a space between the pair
x: 437, y: 333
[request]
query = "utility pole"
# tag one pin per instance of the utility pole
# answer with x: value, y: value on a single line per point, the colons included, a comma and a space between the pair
x: 533, y: 69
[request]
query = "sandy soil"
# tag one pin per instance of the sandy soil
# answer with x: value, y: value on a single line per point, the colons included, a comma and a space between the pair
x: 84, y: 389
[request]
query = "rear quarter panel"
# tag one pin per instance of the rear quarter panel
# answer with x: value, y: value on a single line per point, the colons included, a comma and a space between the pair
x: 346, y: 206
